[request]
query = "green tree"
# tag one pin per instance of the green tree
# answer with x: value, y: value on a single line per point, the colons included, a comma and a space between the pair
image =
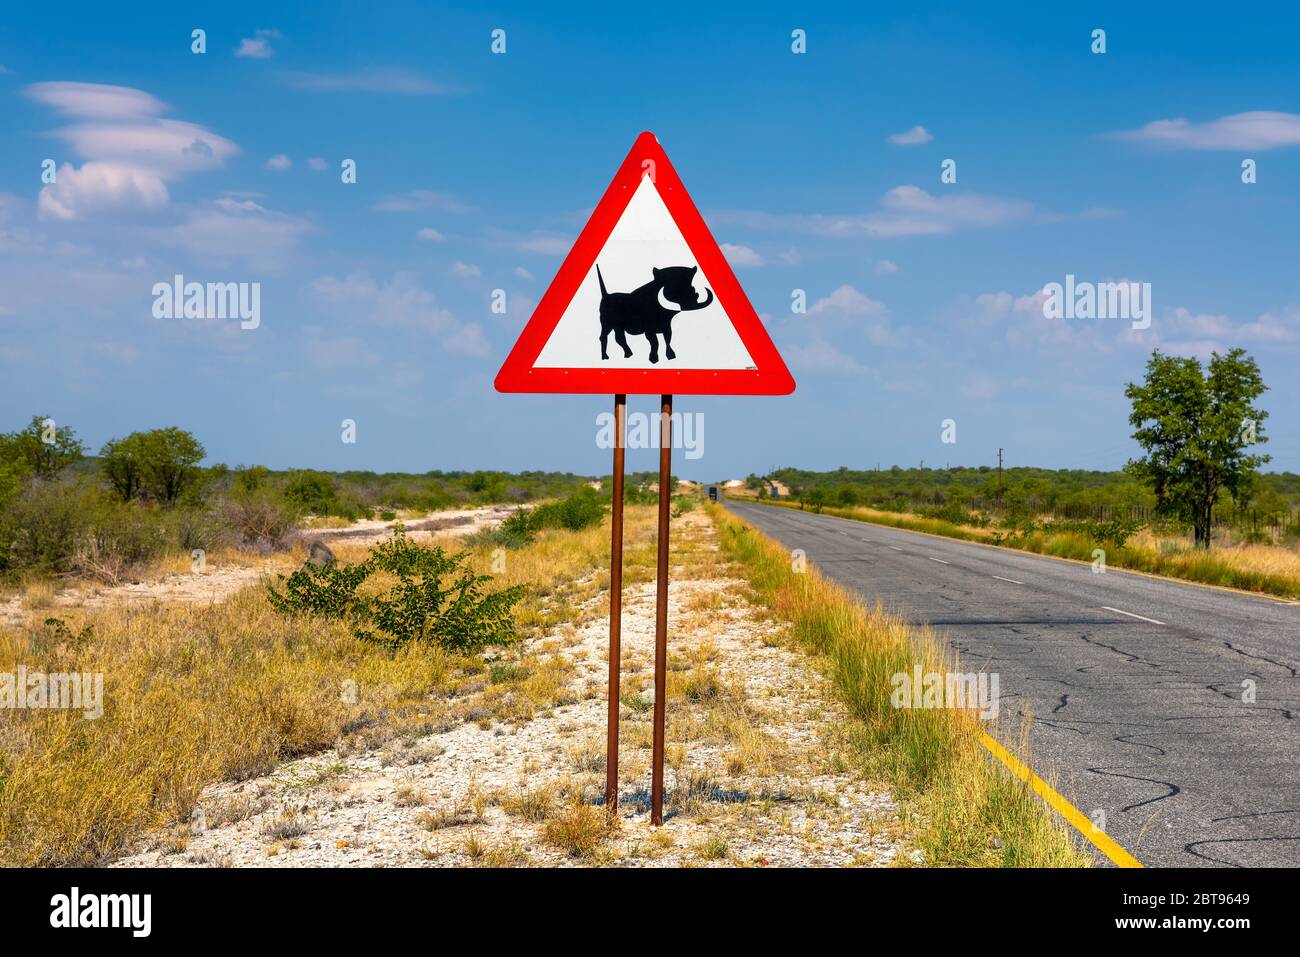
x: 120, y: 461
x: 41, y: 449
x: 1197, y: 427
x: 161, y: 463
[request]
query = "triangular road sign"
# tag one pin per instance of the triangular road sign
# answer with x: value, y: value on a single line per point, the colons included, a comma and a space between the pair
x: 645, y: 303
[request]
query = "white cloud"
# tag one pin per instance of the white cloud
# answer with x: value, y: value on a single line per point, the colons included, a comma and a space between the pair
x: 465, y: 270
x: 544, y: 244
x: 1018, y: 321
x: 229, y: 230
x: 820, y: 356
x: 849, y: 302
x: 385, y: 80
x: 98, y: 187
x: 122, y: 352
x: 429, y: 234
x: 468, y: 340
x: 1184, y: 332
x: 258, y: 46
x: 980, y: 386
x: 741, y: 255
x: 848, y: 307
x: 131, y: 151
x: 916, y: 136
x: 1257, y: 130
x: 279, y: 163
x: 316, y: 163
x: 402, y: 302
x: 886, y: 268
x: 523, y: 273
x: 97, y: 101
x: 905, y: 211
x: 418, y: 200
x: 339, y: 352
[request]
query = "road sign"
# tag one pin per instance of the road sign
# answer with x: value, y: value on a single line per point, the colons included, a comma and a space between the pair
x: 645, y: 303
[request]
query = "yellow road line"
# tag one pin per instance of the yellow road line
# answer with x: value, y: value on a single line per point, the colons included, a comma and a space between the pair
x: 1056, y: 558
x: 1100, y: 839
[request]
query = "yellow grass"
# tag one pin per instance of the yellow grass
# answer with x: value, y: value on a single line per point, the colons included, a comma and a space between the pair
x: 195, y: 694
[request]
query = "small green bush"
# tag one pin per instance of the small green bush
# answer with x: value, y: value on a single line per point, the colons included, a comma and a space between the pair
x: 682, y: 504
x: 515, y: 531
x: 436, y: 598
x: 580, y: 510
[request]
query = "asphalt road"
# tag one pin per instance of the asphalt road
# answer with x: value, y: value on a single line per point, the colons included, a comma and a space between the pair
x: 1135, y: 684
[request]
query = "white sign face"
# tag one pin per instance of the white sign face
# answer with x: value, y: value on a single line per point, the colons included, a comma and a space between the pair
x: 657, y: 303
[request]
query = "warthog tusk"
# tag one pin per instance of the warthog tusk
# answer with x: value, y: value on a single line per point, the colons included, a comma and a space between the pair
x: 668, y: 303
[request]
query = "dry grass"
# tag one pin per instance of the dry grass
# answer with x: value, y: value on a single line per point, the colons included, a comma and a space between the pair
x: 196, y: 694
x: 579, y: 829
x: 965, y: 809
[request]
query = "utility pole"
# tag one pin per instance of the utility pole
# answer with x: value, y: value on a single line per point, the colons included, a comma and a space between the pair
x: 999, y: 476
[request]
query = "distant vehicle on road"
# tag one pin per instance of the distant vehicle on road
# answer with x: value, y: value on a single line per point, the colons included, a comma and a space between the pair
x: 713, y: 493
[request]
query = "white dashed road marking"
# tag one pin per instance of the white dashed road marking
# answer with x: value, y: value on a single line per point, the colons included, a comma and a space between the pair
x: 1012, y: 580
x: 1120, y: 611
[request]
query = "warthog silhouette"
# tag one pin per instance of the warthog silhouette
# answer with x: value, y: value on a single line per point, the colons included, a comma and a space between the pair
x: 648, y: 310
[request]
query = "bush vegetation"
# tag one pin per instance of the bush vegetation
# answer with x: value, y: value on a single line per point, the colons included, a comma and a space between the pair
x: 147, y: 495
x: 579, y: 510
x: 435, y: 598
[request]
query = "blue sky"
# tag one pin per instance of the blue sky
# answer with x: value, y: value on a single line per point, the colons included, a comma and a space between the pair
x: 475, y: 172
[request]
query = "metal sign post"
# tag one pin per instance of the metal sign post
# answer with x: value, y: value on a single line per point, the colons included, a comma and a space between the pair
x: 661, y: 610
x: 615, y: 604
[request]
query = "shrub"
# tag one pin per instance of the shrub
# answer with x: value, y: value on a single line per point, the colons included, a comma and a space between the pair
x: 203, y: 528
x: 580, y: 510
x: 516, y: 531
x: 47, y: 521
x: 58, y: 526
x: 436, y: 598
x: 261, y: 522
x: 250, y: 478
x: 317, y: 493
x: 118, y: 538
x: 312, y: 492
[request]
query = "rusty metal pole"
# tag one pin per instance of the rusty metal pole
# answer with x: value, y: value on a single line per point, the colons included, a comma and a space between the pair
x: 661, y: 610
x: 615, y: 604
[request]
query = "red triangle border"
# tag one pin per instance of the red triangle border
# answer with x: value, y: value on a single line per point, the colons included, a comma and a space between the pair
x: 770, y: 375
